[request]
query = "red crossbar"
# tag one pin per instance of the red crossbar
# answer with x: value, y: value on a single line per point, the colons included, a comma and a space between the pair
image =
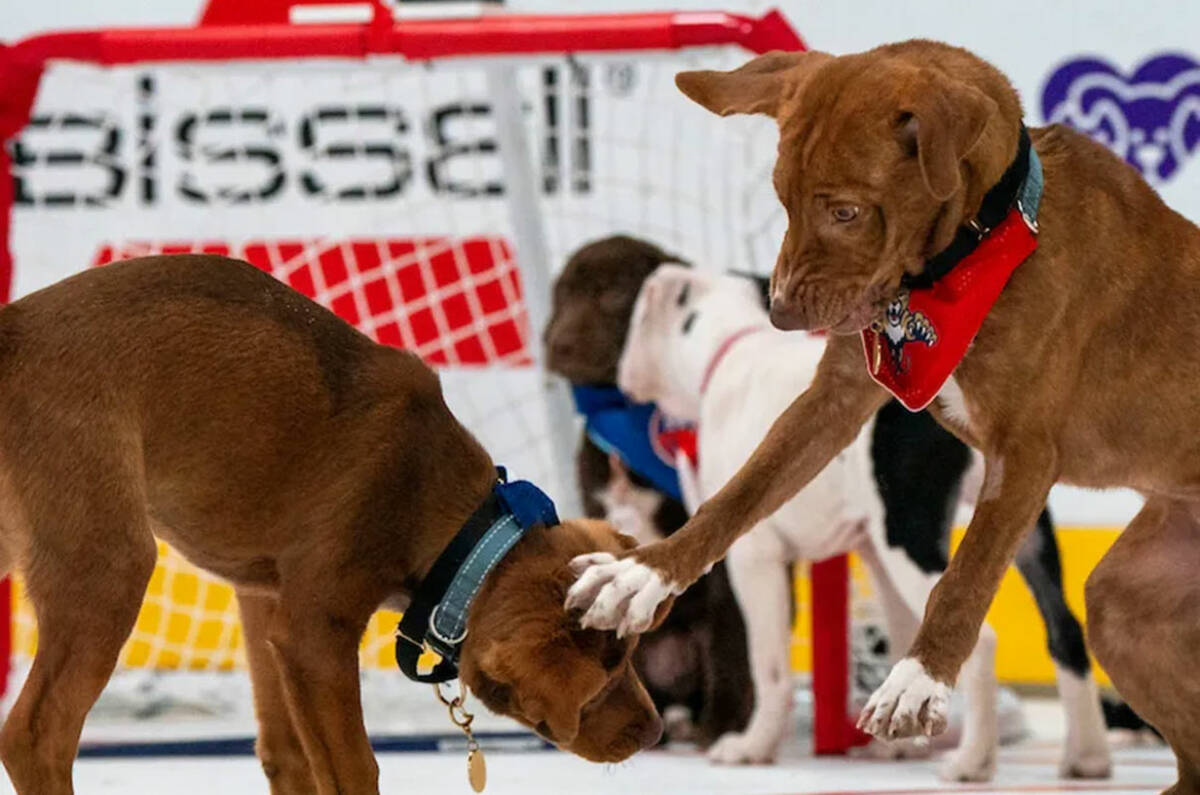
x: 415, y: 39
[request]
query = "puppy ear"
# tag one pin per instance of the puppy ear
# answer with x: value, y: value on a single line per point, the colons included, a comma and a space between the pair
x: 940, y: 126
x: 568, y: 685
x: 756, y: 87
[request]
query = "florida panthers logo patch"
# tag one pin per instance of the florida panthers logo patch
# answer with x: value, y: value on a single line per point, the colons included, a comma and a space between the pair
x: 902, y: 326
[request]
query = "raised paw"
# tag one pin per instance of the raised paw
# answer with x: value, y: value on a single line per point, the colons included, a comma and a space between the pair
x: 616, y: 594
x: 736, y: 748
x: 908, y: 703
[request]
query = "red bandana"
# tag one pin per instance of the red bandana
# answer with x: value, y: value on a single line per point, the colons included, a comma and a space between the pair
x: 926, y: 331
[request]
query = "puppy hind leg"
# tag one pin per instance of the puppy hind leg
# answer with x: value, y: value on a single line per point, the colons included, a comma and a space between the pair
x: 1142, y: 602
x: 1085, y: 751
x: 758, y: 573
x: 86, y: 600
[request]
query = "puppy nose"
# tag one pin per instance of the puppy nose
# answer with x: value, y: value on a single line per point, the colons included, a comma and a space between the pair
x: 561, y: 348
x: 652, y: 732
x: 784, y: 314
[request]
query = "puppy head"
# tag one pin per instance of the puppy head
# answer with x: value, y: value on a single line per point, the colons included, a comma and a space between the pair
x: 593, y: 298
x: 525, y: 657
x: 882, y: 155
x: 680, y: 315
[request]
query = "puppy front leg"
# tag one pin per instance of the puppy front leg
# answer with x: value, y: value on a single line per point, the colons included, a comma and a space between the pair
x: 278, y: 746
x: 914, y: 698
x: 317, y: 657
x: 625, y: 594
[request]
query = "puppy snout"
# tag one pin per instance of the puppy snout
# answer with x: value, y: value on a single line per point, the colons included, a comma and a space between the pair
x: 562, y: 348
x: 651, y: 733
x: 785, y: 314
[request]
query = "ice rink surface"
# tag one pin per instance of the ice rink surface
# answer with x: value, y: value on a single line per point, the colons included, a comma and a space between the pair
x: 1027, y: 767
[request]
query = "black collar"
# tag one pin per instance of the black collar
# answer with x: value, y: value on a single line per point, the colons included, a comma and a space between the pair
x: 509, y: 510
x: 996, y: 205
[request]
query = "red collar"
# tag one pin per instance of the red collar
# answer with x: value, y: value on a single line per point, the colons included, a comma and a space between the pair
x: 723, y: 349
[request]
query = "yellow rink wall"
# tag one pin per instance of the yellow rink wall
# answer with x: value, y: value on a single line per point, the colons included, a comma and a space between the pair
x: 1021, y: 656
x: 188, y: 621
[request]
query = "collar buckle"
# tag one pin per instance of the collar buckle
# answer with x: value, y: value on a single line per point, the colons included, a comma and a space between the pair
x: 1027, y: 217
x: 979, y: 229
x: 450, y: 643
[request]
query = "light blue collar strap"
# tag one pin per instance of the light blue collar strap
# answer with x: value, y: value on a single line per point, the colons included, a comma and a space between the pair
x: 1030, y: 197
x: 448, y: 624
x: 524, y: 505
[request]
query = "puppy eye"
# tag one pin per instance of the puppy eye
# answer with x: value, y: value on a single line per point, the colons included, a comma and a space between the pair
x: 688, y: 321
x: 683, y: 295
x: 845, y: 213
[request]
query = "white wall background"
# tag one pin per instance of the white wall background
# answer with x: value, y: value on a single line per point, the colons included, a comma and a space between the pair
x: 1028, y: 39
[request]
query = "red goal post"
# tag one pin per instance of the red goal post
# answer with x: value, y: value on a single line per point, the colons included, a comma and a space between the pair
x: 521, y: 271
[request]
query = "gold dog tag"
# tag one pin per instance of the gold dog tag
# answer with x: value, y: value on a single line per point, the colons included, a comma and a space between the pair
x: 476, y: 769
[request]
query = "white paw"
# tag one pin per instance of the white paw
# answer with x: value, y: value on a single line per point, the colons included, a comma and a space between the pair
x: 907, y: 748
x: 742, y: 749
x: 1085, y: 753
x: 677, y: 724
x: 617, y: 594
x: 1093, y: 764
x: 908, y: 703
x: 968, y: 764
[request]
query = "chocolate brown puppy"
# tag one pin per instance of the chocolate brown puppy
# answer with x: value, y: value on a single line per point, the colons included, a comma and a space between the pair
x: 197, y: 399
x: 698, y: 657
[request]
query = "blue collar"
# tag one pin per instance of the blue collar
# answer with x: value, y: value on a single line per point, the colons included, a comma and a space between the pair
x: 436, y: 619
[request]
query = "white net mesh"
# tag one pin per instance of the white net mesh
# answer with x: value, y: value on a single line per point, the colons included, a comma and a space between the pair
x: 376, y: 188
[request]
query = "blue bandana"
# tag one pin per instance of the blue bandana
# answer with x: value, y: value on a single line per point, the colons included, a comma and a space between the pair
x: 644, y: 437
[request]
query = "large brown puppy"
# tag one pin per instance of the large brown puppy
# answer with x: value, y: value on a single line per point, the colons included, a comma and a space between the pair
x: 697, y: 658
x: 196, y: 399
x: 1084, y: 371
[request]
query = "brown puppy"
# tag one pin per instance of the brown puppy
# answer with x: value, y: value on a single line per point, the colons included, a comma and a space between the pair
x: 196, y: 399
x: 698, y: 658
x: 1083, y: 372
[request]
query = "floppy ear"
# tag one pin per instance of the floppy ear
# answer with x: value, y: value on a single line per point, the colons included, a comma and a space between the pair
x: 553, y: 703
x: 940, y: 125
x: 755, y: 87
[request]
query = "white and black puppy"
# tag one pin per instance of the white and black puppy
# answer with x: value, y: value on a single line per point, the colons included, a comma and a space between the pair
x: 702, y: 347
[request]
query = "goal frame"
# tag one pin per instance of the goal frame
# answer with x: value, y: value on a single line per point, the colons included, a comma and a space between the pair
x: 490, y: 35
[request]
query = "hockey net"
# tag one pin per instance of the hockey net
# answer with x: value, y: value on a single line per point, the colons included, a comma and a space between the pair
x: 423, y: 179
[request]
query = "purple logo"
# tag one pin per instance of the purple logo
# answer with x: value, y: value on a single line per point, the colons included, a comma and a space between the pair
x: 1151, y: 118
